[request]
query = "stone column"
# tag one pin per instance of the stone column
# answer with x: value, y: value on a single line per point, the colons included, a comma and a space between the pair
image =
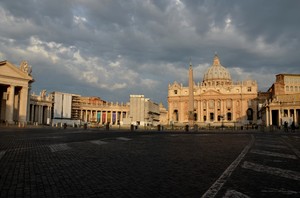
x: 49, y: 114
x: 91, y: 116
x: 295, y: 118
x: 86, y: 112
x: 10, y: 104
x: 215, y: 111
x: 28, y: 104
x: 199, y: 114
x: 23, y: 105
x: 267, y: 117
x: 270, y: 116
x: 37, y: 113
x: 111, y: 117
x: 280, y: 116
x: 233, y: 113
x: 117, y: 117
x: 40, y: 114
x: 200, y: 111
x: 32, y: 113
x: 207, y: 109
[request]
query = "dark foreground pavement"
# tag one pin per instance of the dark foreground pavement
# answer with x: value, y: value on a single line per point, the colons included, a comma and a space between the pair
x: 46, y: 162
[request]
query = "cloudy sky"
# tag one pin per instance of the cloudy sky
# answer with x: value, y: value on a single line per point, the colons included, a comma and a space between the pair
x: 114, y: 48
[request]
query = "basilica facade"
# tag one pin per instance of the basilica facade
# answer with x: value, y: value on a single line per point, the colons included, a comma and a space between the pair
x: 216, y: 101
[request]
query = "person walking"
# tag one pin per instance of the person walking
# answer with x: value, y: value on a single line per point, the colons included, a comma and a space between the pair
x: 293, y: 126
x: 285, y: 125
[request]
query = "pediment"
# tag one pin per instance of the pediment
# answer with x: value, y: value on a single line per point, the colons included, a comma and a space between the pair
x: 211, y: 93
x: 8, y: 70
x: 175, y: 85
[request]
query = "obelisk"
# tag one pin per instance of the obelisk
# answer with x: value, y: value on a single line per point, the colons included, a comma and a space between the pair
x: 191, y: 97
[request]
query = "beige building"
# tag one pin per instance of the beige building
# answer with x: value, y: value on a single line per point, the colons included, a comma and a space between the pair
x: 283, y: 102
x: 97, y: 111
x: 76, y: 109
x: 143, y: 111
x: 15, y: 84
x: 217, y: 100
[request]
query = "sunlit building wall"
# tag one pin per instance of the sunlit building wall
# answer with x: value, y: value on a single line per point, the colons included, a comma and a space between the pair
x: 283, y: 103
x: 218, y: 100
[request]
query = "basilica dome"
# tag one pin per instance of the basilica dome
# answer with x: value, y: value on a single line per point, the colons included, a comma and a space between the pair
x: 216, y: 72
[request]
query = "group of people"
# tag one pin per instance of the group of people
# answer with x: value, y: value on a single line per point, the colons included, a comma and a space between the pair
x: 286, y: 126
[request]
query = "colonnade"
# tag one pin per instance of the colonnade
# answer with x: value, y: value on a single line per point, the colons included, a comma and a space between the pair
x: 290, y: 114
x: 39, y: 114
x: 114, y: 117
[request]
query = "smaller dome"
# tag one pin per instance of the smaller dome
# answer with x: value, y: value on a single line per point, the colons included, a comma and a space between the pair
x: 217, y: 72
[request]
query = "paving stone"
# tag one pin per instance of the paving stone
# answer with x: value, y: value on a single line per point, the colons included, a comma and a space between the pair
x: 48, y: 162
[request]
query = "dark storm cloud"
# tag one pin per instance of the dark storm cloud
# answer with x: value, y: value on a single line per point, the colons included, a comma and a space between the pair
x: 116, y: 48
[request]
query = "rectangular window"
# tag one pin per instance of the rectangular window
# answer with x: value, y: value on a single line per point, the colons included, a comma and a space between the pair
x: 212, y: 116
x: 249, y: 89
x: 175, y: 91
x: 229, y: 116
x: 204, y: 118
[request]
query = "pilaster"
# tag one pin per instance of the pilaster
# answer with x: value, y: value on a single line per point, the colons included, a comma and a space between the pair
x: 10, y: 104
x: 23, y: 105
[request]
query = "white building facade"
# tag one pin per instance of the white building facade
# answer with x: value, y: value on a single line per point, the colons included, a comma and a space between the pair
x: 143, y: 111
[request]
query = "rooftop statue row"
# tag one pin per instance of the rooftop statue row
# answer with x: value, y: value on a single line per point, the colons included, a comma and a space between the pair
x: 42, y: 97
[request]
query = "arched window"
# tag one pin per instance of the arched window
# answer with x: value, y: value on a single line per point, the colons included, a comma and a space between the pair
x: 250, y: 114
x: 175, y: 115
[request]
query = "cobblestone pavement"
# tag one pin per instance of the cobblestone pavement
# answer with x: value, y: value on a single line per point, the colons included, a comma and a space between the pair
x: 49, y: 162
